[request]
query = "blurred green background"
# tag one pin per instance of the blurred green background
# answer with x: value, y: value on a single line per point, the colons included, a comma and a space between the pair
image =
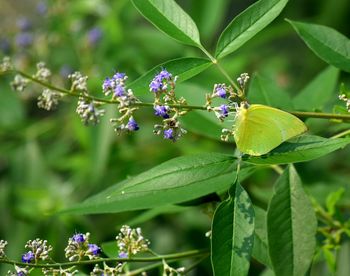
x: 50, y: 160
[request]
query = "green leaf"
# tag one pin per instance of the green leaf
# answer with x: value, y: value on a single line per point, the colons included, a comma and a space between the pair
x: 260, y: 249
x: 171, y: 19
x: 247, y: 24
x: 332, y: 200
x: 318, y: 92
x: 291, y: 226
x: 300, y: 149
x: 233, y: 234
x: 184, y: 68
x: 177, y: 180
x: 325, y: 42
x: 264, y: 91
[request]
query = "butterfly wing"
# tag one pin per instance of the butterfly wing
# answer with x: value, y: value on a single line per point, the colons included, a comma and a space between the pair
x: 260, y: 128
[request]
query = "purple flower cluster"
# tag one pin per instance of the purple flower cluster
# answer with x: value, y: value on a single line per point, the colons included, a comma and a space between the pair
x: 132, y: 125
x: 161, y: 111
x: 28, y: 257
x: 115, y: 85
x: 161, y: 81
x: 94, y: 35
x: 220, y: 90
x: 79, y: 246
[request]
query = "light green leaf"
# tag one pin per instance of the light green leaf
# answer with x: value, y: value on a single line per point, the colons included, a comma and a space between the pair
x: 184, y: 68
x: 291, y: 226
x: 247, y: 24
x: 299, y: 149
x: 233, y: 234
x: 260, y: 249
x: 177, y: 180
x: 332, y: 200
x: 325, y: 42
x: 170, y: 18
x: 264, y: 91
x: 318, y: 92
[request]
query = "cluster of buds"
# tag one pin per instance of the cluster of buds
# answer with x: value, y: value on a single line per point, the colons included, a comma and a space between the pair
x: 43, y: 73
x: 6, y: 65
x: 125, y: 99
x: 163, y: 87
x: 107, y: 270
x: 49, y: 99
x: 344, y: 98
x: 79, y: 247
x: 2, y: 249
x: 39, y: 250
x: 170, y: 271
x: 60, y: 271
x: 19, y: 83
x: 130, y: 242
x: 19, y: 271
x: 87, y: 109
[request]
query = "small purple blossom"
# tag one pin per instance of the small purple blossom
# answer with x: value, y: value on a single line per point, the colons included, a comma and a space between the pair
x: 132, y: 125
x: 119, y: 76
x: 24, y: 39
x: 94, y: 249
x: 119, y: 91
x: 169, y: 134
x: 123, y: 255
x: 224, y: 110
x: 80, y: 238
x: 220, y: 91
x: 160, y: 81
x: 94, y: 35
x: 41, y: 8
x: 28, y: 257
x: 161, y: 111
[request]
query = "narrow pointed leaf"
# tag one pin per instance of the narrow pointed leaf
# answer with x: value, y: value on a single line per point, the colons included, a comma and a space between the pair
x: 170, y: 18
x: 299, y: 149
x: 233, y: 234
x: 325, y: 42
x: 291, y: 226
x: 247, y: 24
x: 177, y: 180
x: 318, y: 92
x: 184, y: 68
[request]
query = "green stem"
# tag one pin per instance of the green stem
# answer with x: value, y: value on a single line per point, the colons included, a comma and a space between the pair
x: 176, y: 256
x: 299, y: 114
x: 341, y: 134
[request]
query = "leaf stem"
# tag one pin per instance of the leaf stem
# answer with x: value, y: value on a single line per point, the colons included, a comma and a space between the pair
x: 341, y: 134
x: 175, y: 256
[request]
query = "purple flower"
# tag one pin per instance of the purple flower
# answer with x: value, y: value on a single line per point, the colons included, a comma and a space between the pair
x: 94, y: 35
x: 156, y: 85
x: 224, y: 110
x: 164, y: 75
x: 123, y: 255
x: 161, y: 111
x: 220, y: 91
x: 41, y: 8
x: 132, y: 125
x: 168, y: 134
x: 24, y: 39
x: 119, y: 76
x: 119, y: 91
x: 28, y: 257
x: 94, y: 249
x: 24, y: 24
x: 107, y: 84
x: 80, y: 238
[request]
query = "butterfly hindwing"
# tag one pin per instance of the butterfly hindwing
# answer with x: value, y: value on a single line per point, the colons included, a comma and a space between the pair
x: 259, y: 128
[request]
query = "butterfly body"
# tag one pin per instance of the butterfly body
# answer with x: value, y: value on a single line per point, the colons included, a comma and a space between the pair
x: 259, y: 129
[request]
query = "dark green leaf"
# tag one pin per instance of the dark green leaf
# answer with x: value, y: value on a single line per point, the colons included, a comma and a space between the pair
x: 260, y: 249
x: 178, y: 180
x: 247, y: 24
x: 299, y: 149
x: 291, y: 226
x: 184, y: 68
x: 318, y: 92
x: 170, y: 18
x: 264, y: 91
x: 233, y: 234
x: 327, y: 43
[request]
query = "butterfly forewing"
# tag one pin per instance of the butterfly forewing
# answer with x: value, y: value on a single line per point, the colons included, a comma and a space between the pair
x: 259, y: 129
